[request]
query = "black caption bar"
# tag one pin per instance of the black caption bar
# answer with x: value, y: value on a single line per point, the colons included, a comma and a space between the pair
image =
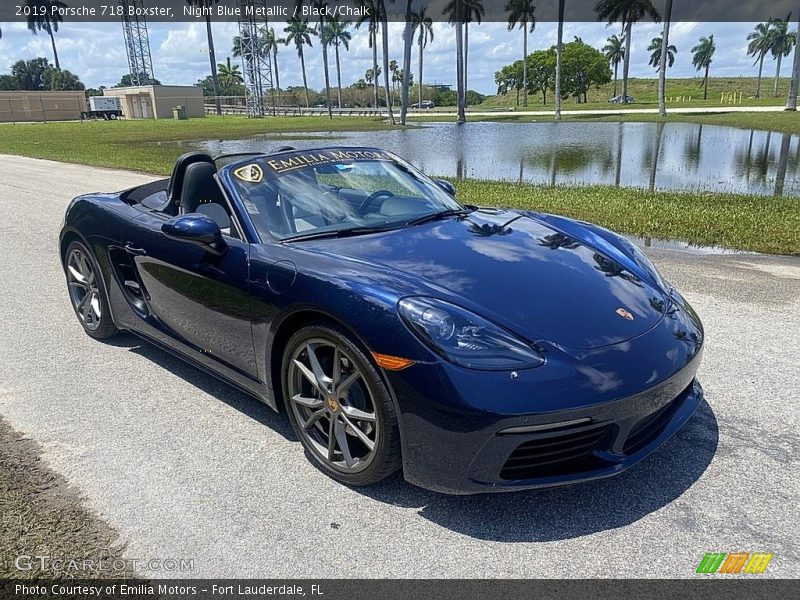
x: 708, y: 588
x: 353, y: 10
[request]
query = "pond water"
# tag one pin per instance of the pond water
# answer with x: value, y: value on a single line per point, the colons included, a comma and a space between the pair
x: 660, y: 156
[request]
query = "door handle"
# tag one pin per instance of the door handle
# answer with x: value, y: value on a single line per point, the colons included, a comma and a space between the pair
x: 133, y: 250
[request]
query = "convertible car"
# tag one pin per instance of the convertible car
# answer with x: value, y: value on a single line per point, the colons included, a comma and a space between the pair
x: 477, y: 349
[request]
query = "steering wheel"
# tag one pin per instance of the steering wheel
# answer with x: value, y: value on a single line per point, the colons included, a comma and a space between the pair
x: 369, y: 200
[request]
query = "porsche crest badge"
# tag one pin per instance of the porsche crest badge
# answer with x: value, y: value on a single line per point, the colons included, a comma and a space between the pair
x: 624, y: 314
x: 249, y: 173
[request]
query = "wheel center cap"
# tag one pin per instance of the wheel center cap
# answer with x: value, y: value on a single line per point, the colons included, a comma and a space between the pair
x: 333, y: 405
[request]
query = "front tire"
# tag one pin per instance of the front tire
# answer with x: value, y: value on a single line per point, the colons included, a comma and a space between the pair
x: 87, y: 292
x: 339, y: 406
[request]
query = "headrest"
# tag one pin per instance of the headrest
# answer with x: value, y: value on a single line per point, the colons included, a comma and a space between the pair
x: 199, y: 187
x: 179, y: 173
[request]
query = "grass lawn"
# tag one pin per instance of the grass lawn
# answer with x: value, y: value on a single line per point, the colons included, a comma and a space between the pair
x: 42, y: 515
x: 147, y: 145
x: 763, y: 224
x: 684, y: 91
x: 783, y: 122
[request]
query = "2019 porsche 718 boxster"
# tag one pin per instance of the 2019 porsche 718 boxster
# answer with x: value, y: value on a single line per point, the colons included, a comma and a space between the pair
x: 478, y: 349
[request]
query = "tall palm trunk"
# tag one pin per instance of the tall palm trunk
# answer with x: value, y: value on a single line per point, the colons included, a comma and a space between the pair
x: 662, y: 74
x: 408, y: 40
x: 385, y: 36
x: 777, y: 76
x: 461, y: 115
x: 374, y: 36
x: 305, y: 81
x: 325, y: 67
x: 626, y: 62
x: 559, y: 51
x: 277, y: 76
x: 466, y: 59
x: 525, y: 63
x: 705, y: 85
x: 616, y: 68
x: 760, y: 69
x: 53, y: 42
x: 338, y: 74
x: 420, y: 69
x: 794, y: 87
x: 212, y: 56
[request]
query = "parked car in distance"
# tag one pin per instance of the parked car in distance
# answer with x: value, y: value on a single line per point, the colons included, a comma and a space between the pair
x: 423, y: 104
x: 622, y: 99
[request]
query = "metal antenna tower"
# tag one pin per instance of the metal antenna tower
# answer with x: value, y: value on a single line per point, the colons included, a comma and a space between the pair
x: 256, y: 64
x: 137, y: 42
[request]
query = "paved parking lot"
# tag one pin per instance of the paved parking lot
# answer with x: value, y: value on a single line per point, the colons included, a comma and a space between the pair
x: 185, y: 467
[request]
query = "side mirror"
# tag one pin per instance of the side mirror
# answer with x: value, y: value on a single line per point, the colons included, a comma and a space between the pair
x: 197, y: 229
x: 446, y: 186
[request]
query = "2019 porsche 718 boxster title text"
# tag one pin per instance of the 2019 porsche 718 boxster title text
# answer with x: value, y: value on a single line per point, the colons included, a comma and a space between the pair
x: 478, y: 349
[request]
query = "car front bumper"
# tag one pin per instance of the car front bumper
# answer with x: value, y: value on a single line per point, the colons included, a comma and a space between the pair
x: 583, y: 415
x: 465, y: 454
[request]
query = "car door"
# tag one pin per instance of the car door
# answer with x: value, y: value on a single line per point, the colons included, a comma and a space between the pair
x: 199, y: 302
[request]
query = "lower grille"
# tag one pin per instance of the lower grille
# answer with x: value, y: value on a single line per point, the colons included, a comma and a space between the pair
x: 562, y: 453
x: 649, y: 428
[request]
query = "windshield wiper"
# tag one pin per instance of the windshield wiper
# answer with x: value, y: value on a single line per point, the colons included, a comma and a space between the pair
x: 339, y: 233
x: 450, y: 212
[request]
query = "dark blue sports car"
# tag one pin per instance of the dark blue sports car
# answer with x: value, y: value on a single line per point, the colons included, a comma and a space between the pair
x: 478, y: 349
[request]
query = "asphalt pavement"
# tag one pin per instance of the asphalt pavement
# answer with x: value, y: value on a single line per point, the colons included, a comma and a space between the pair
x: 185, y: 467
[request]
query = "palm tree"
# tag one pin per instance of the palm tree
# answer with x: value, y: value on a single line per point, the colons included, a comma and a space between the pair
x: 781, y: 43
x: 791, y: 103
x: 299, y: 33
x: 393, y: 68
x: 559, y: 53
x: 44, y: 15
x: 662, y: 67
x: 473, y: 12
x: 384, y: 17
x: 269, y: 43
x: 454, y: 12
x: 655, y: 53
x: 229, y: 75
x: 464, y: 12
x: 703, y: 53
x: 408, y: 40
x: 627, y: 12
x: 614, y: 51
x: 336, y: 33
x: 372, y: 18
x: 422, y: 22
x: 212, y: 56
x: 320, y: 8
x: 758, y: 47
x: 521, y: 14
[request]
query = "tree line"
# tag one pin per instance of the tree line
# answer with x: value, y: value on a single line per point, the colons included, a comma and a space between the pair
x: 574, y: 66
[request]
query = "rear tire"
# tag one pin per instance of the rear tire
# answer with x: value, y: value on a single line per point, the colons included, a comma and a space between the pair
x: 87, y: 292
x: 339, y: 406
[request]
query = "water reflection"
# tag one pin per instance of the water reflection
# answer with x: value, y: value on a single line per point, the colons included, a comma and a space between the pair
x: 655, y: 156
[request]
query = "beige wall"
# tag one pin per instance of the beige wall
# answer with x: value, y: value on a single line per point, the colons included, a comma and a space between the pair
x: 41, y: 106
x: 157, y: 101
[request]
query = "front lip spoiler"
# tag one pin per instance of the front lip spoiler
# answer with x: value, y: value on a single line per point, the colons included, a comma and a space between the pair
x: 617, y: 463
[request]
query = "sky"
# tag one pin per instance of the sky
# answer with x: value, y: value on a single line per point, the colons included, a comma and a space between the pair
x: 95, y: 51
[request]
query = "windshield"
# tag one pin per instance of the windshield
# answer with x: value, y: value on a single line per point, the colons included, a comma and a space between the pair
x: 313, y: 193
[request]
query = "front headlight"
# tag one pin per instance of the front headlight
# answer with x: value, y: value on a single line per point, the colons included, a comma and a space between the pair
x: 464, y: 338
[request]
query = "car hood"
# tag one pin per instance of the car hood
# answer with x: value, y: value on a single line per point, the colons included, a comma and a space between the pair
x: 520, y: 271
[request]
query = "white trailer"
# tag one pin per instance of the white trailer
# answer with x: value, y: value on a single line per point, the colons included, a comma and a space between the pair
x: 103, y: 107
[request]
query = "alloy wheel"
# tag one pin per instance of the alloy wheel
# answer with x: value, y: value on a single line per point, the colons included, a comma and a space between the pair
x: 83, y: 289
x: 333, y: 405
